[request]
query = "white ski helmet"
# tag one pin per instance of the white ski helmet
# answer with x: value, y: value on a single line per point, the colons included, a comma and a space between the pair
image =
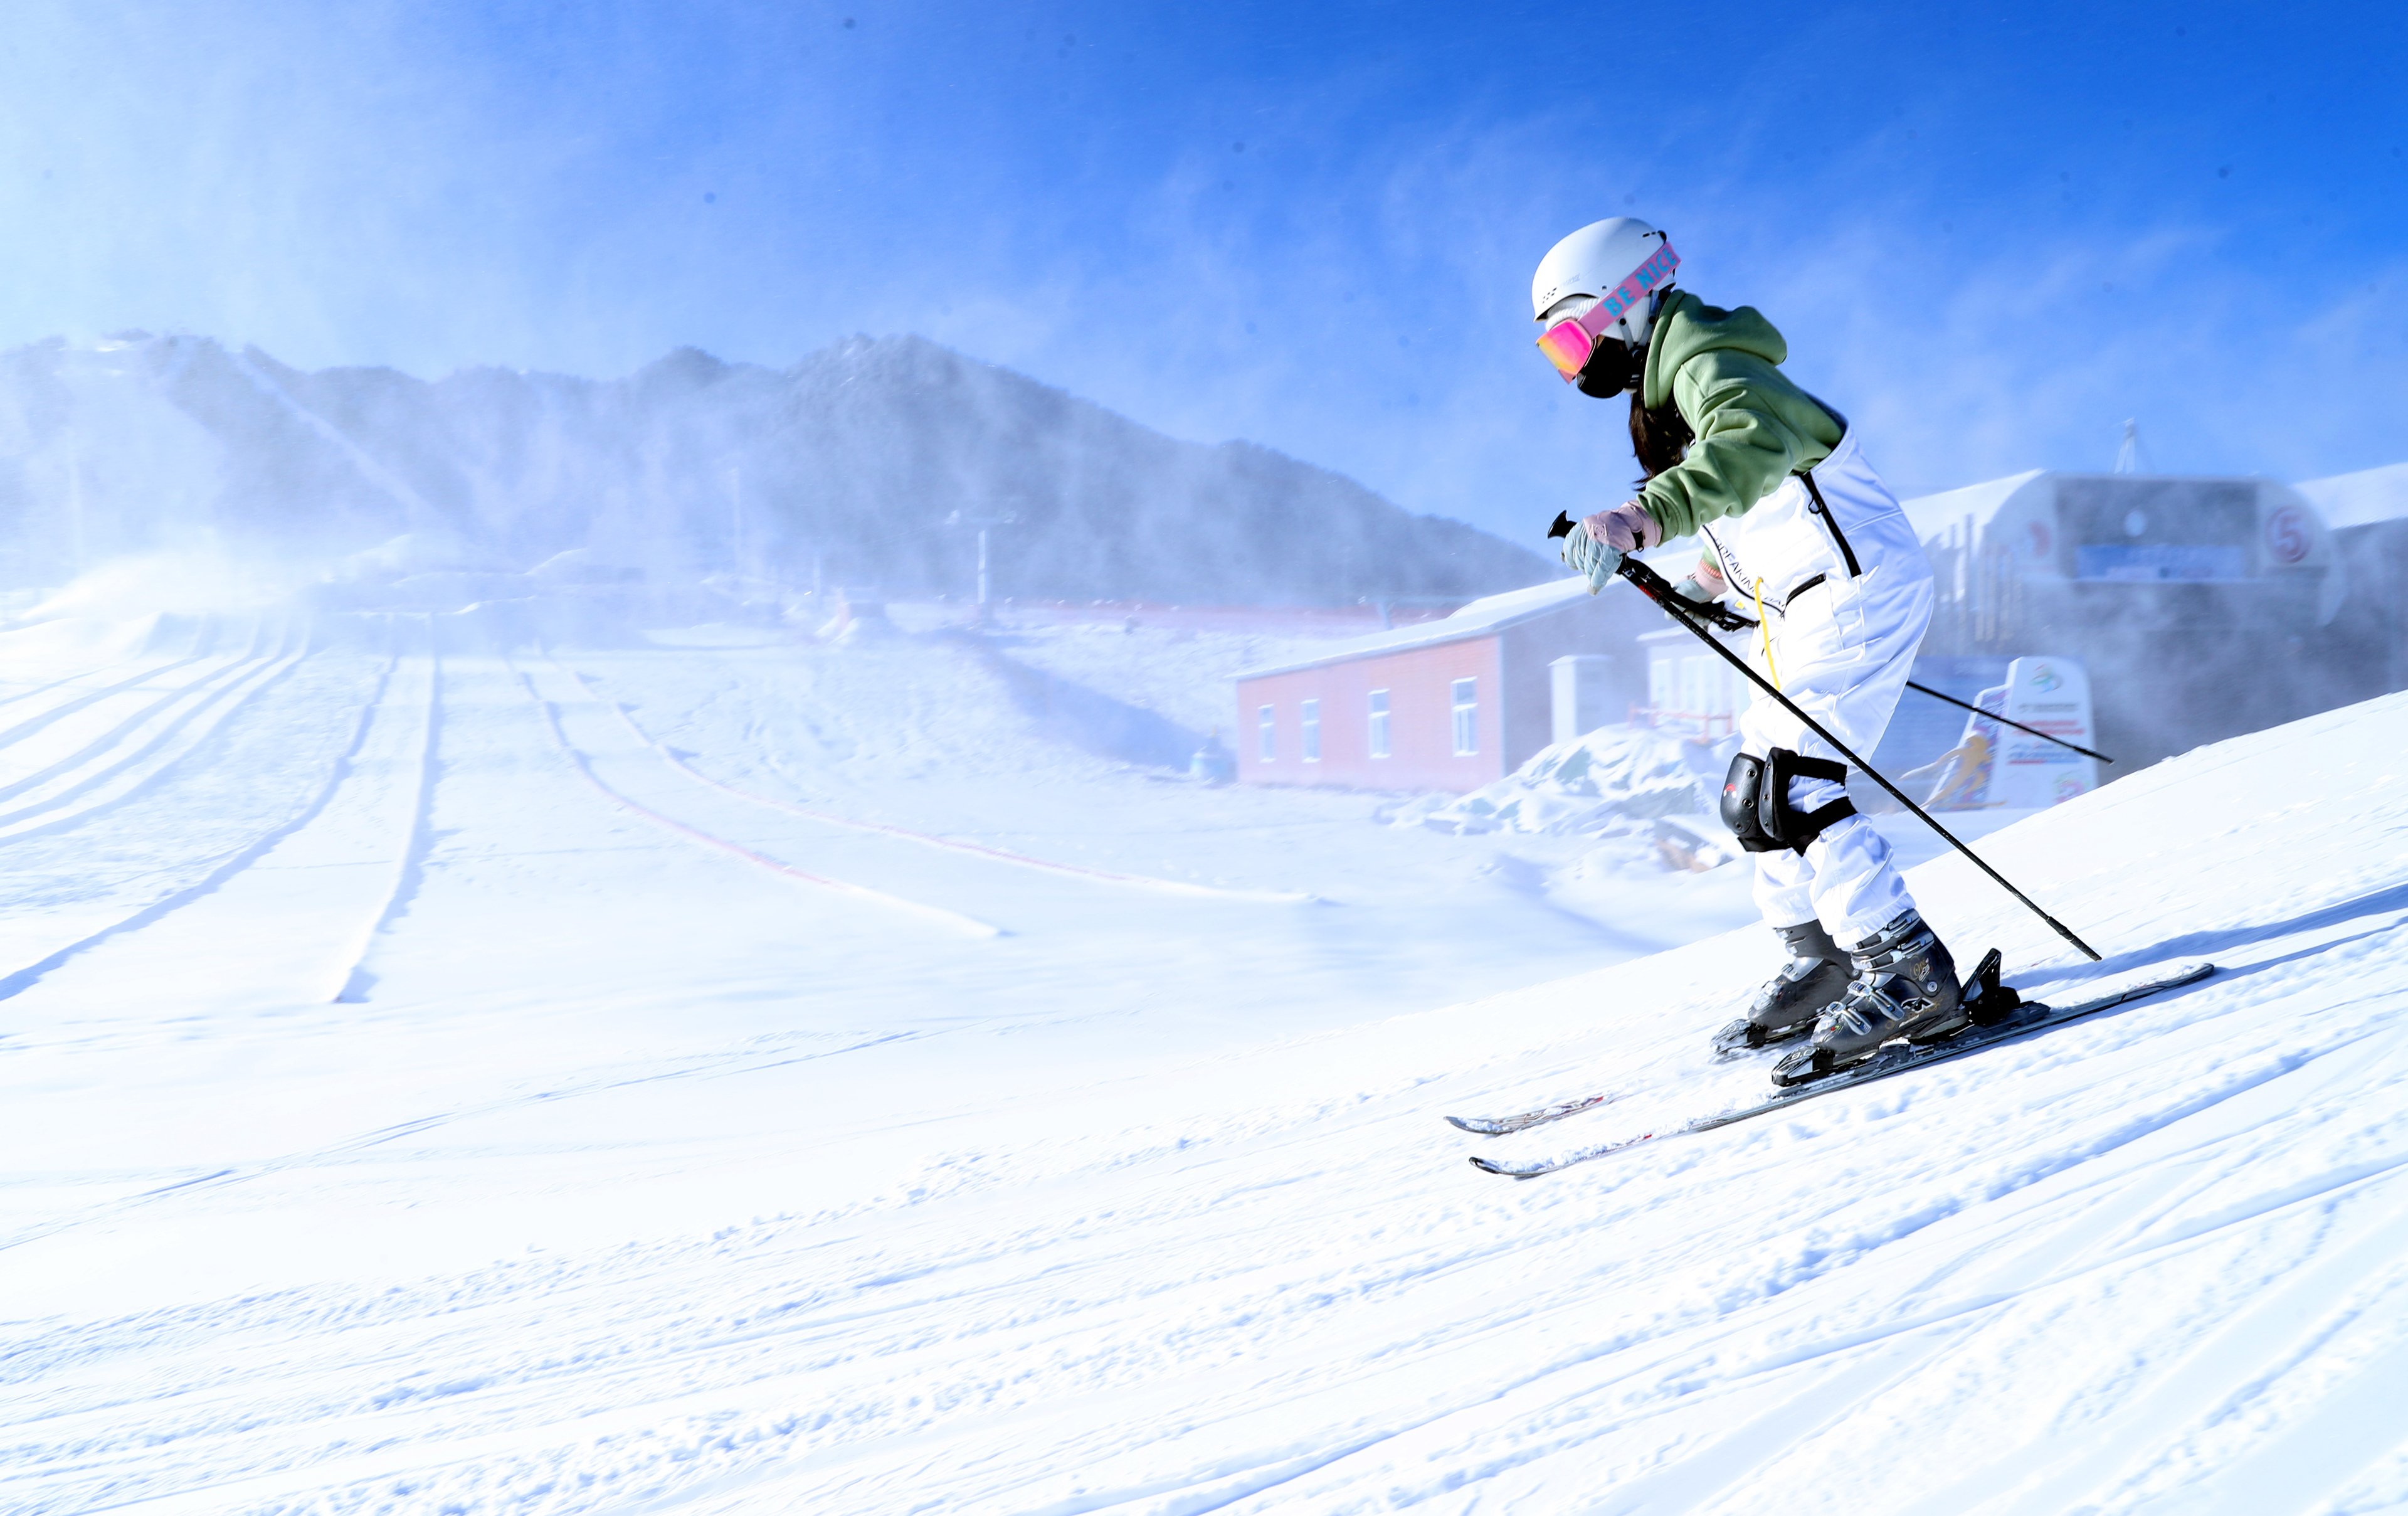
x: 1620, y: 261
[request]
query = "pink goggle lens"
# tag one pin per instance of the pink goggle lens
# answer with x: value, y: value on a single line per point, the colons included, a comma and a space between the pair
x: 1567, y: 345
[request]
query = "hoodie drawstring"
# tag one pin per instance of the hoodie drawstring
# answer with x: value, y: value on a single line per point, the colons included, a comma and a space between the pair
x: 1766, y: 628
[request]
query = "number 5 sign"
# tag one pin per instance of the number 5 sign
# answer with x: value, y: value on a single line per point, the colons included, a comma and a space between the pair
x: 2286, y: 534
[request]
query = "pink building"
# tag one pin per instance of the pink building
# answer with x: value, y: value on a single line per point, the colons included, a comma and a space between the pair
x: 1448, y: 704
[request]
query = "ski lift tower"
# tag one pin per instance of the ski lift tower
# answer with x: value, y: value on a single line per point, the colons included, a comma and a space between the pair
x: 2129, y: 459
x: 984, y: 523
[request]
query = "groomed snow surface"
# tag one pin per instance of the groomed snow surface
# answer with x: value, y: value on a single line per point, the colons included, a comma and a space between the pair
x: 731, y: 1075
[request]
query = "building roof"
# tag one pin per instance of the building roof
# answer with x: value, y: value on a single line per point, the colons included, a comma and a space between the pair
x: 1932, y: 514
x: 2344, y: 500
x: 1480, y: 619
x: 2362, y: 499
x: 2356, y: 500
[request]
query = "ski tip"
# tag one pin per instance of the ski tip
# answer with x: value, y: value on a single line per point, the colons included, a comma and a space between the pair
x: 2171, y: 977
x: 1487, y: 1167
x: 1460, y: 1124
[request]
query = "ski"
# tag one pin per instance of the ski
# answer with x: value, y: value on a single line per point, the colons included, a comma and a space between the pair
x: 1898, y: 1058
x: 1983, y: 982
x: 1731, y: 1045
x: 1496, y: 1126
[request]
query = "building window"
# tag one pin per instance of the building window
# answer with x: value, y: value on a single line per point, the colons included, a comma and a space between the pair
x: 1311, y: 714
x: 1267, y: 733
x: 1379, y: 723
x: 1467, y: 717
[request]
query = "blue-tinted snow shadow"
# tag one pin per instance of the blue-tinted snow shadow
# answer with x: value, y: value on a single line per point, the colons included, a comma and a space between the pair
x: 1084, y: 718
x: 2218, y: 945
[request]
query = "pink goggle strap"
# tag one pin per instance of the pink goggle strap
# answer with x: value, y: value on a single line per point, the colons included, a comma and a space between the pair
x: 1634, y: 289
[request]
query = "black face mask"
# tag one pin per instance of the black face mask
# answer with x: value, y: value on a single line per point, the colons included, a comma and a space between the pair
x: 1612, y: 367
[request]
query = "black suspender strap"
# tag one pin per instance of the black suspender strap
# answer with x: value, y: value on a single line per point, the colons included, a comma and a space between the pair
x: 1831, y: 523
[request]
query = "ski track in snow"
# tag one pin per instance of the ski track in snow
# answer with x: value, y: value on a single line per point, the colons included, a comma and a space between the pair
x: 624, y: 1176
x: 416, y: 751
x: 583, y: 763
x: 1136, y: 881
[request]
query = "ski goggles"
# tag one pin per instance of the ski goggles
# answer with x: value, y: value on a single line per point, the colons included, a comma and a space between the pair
x: 1569, y: 344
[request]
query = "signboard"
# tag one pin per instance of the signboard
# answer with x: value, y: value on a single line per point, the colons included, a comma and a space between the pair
x: 1994, y: 764
x: 2161, y: 563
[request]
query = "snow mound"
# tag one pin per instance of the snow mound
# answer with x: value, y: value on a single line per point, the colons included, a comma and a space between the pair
x: 1612, y: 775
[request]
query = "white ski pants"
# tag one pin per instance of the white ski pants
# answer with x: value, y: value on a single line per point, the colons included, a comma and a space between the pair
x: 1841, y: 650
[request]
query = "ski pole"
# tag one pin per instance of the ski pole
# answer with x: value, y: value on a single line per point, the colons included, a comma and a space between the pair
x: 1993, y: 716
x: 1732, y: 621
x: 1652, y: 584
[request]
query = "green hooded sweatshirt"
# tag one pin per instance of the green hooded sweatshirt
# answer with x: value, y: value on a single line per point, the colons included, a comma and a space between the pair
x: 1754, y: 427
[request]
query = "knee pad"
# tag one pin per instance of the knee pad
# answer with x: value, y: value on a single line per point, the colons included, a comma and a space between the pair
x: 1742, y: 791
x: 1755, y: 800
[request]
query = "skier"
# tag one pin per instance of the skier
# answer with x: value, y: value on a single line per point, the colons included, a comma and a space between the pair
x: 1800, y: 533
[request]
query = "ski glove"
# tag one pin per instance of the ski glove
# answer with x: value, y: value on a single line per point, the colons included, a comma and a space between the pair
x: 1596, y: 546
x: 1707, y: 584
x: 1626, y: 529
x: 1584, y: 555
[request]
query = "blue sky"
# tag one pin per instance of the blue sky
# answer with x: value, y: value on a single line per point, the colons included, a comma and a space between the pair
x: 1991, y: 234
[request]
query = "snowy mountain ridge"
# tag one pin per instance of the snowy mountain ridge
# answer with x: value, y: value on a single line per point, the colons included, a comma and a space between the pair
x: 841, y: 469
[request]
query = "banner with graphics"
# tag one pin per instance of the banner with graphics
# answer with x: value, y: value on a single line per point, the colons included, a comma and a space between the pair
x: 1994, y: 764
x: 2050, y: 695
x: 1962, y: 775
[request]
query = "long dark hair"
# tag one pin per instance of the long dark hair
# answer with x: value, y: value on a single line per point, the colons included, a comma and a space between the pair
x: 1657, y: 436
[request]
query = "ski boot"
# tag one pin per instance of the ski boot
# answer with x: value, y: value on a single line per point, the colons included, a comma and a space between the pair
x: 1815, y: 976
x: 1905, y: 987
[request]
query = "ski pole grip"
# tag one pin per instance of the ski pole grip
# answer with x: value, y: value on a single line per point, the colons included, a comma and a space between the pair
x: 1647, y: 580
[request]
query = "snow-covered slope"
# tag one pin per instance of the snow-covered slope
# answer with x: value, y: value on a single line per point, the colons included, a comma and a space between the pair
x: 642, y: 1168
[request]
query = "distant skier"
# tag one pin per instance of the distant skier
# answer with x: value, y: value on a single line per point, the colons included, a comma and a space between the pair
x: 1802, y: 533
